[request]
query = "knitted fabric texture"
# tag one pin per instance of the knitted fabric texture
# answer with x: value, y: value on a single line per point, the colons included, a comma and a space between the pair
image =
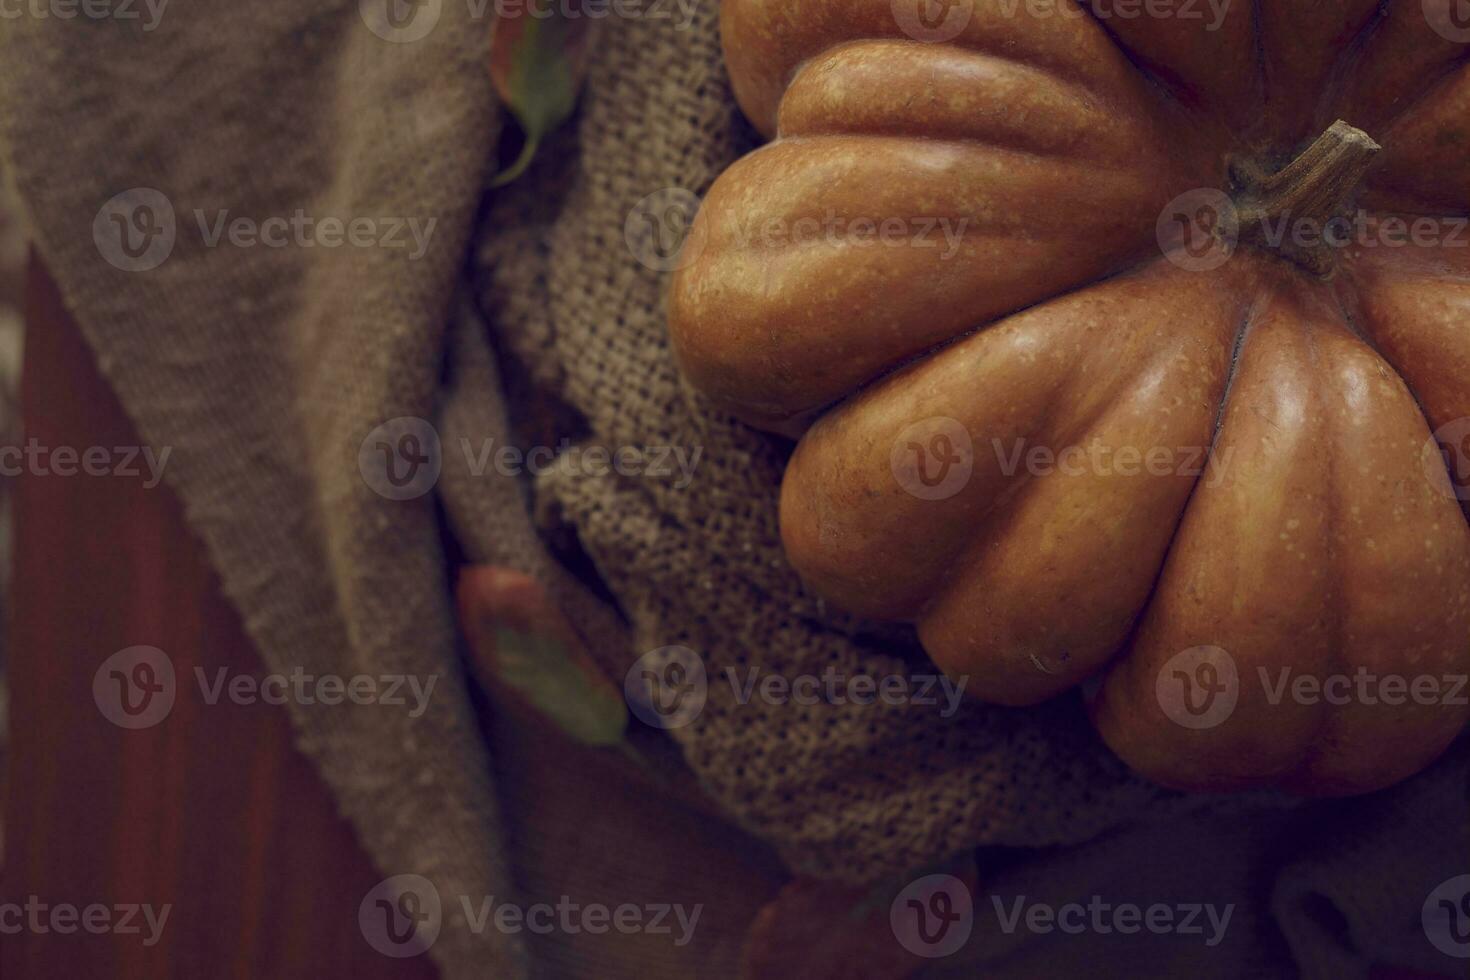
x: 266, y: 369
x: 854, y: 791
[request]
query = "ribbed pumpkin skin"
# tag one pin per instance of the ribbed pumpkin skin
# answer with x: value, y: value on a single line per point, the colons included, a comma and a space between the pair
x: 1318, y: 534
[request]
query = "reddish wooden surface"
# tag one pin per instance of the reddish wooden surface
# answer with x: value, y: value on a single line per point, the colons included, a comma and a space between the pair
x: 212, y: 811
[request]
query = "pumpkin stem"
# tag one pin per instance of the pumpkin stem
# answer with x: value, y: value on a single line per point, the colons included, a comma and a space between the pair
x: 1288, y: 211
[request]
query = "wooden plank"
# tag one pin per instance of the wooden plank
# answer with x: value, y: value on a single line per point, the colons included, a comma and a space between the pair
x: 211, y: 811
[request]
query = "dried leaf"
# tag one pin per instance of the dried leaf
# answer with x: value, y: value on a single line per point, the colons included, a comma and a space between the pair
x: 525, y: 648
x: 543, y: 672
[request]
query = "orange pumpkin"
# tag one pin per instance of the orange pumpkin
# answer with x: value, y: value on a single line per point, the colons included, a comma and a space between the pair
x: 1095, y: 398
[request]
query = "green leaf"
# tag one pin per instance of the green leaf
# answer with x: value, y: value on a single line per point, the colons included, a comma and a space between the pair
x: 575, y: 697
x: 537, y: 64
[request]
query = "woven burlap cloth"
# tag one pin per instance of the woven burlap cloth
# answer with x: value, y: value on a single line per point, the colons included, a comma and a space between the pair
x: 264, y: 369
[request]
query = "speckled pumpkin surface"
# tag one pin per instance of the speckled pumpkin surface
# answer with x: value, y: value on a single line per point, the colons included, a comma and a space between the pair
x: 1128, y: 353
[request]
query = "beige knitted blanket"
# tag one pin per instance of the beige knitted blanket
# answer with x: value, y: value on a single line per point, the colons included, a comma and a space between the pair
x: 271, y: 370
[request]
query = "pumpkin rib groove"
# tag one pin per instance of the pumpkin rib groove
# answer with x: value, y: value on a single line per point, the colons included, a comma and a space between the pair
x: 1362, y: 289
x: 1041, y: 251
x: 1431, y: 184
x: 1160, y: 83
x: 1168, y: 80
x: 1350, y: 303
x: 1249, y: 318
x: 1003, y: 510
x: 1317, y: 349
x: 1123, y: 400
x: 1336, y: 83
x: 1316, y: 539
x: 855, y: 77
x: 825, y: 24
x: 1330, y: 737
x: 1291, y: 67
x: 1431, y: 88
x: 1131, y: 266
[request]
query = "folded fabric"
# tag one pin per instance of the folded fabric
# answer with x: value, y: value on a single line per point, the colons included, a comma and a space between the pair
x: 276, y: 375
